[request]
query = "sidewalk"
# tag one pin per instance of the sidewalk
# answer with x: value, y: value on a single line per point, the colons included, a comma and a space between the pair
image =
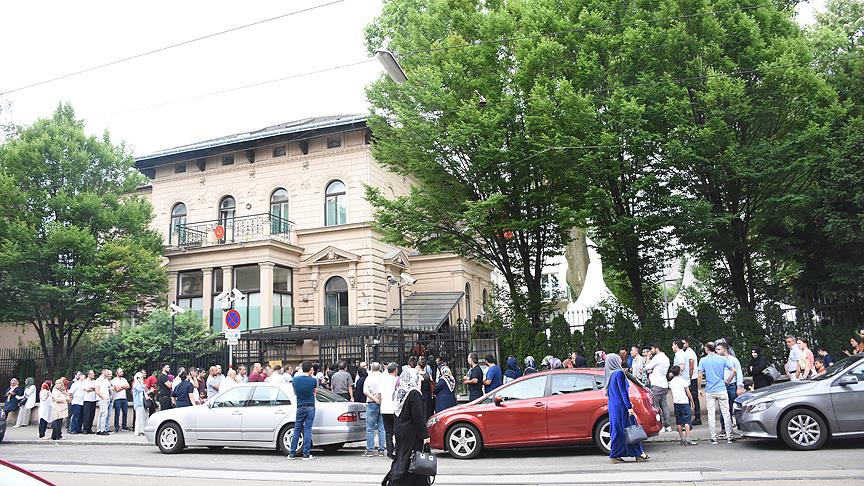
x: 30, y: 435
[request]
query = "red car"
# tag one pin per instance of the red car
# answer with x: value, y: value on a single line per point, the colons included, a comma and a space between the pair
x: 561, y: 407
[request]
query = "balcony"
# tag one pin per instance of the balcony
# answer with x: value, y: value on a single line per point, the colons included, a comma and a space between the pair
x: 240, y: 229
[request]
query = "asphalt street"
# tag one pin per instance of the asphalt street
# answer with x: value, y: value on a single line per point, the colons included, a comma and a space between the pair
x: 745, y: 462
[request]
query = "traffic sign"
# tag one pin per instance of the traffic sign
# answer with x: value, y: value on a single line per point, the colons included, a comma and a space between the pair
x: 233, y: 342
x: 229, y: 334
x: 232, y: 319
x: 219, y: 232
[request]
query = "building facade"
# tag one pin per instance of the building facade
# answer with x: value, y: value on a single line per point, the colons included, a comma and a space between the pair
x: 280, y: 215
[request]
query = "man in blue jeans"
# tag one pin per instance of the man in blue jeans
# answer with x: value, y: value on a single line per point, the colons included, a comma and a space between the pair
x: 374, y: 421
x: 305, y: 388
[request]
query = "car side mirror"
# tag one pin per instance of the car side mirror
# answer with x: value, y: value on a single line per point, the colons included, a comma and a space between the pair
x: 848, y: 380
x: 499, y: 400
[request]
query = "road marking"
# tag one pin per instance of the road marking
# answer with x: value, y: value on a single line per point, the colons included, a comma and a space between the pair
x: 637, y: 477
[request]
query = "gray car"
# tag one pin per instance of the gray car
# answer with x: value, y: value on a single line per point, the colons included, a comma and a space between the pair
x: 256, y: 415
x: 805, y: 414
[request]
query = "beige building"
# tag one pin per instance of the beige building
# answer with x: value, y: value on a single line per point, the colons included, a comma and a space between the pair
x: 280, y: 214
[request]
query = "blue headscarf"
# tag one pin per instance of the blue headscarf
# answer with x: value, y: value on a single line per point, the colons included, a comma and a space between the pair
x: 513, y: 370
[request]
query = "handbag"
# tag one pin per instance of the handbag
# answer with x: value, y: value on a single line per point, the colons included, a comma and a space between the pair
x: 635, y: 434
x: 771, y: 372
x: 423, y: 463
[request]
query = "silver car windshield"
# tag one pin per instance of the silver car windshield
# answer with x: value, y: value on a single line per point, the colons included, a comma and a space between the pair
x: 839, y: 367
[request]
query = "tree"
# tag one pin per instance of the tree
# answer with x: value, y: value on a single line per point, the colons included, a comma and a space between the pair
x: 560, y: 344
x: 474, y: 128
x: 752, y: 128
x: 75, y: 253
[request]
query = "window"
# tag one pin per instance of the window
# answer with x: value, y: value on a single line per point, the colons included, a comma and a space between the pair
x: 190, y: 287
x: 367, y: 137
x: 283, y: 300
x: 227, y: 211
x: 468, y: 303
x: 280, y: 151
x: 335, y: 204
x: 551, y: 286
x: 524, y: 390
x: 279, y: 223
x: 564, y: 383
x: 217, y: 281
x: 268, y: 396
x: 228, y: 159
x: 336, y: 302
x: 247, y: 279
x: 334, y: 142
x: 178, y: 224
x: 180, y: 168
x: 235, y: 397
x: 485, y: 298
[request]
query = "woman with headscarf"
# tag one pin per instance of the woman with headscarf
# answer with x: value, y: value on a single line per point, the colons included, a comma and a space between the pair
x: 530, y: 366
x: 617, y: 388
x: 411, y: 432
x: 554, y: 363
x: 139, y: 393
x: 757, y: 368
x: 60, y: 399
x: 445, y: 395
x: 29, y: 402
x: 45, y: 409
x: 513, y: 370
x: 546, y: 363
x: 362, y: 374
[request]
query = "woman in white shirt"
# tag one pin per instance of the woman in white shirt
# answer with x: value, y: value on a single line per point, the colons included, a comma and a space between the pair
x: 45, y: 408
x: 24, y: 410
x: 229, y: 382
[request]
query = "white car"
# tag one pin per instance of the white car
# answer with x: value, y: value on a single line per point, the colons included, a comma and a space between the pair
x: 256, y: 415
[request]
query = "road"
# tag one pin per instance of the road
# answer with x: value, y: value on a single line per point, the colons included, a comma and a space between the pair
x: 744, y: 462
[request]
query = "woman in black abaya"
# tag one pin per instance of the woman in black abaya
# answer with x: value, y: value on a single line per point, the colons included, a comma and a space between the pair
x: 411, y: 432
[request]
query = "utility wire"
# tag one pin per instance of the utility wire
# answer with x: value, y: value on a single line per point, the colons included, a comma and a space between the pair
x: 165, y: 48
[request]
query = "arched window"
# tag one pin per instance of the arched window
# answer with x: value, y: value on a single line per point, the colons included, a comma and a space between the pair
x: 227, y: 210
x: 335, y: 204
x: 178, y: 224
x: 336, y: 302
x: 485, y: 299
x: 279, y: 212
x: 468, y: 303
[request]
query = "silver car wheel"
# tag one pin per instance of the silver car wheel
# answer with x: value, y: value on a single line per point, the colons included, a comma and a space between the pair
x: 463, y: 442
x: 286, y: 439
x: 606, y: 436
x: 804, y: 430
x: 168, y: 438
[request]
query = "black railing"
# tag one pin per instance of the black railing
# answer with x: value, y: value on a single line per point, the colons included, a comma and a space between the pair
x: 239, y: 229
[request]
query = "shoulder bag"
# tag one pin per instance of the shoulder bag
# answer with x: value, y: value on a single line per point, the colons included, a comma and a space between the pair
x: 635, y: 434
x: 771, y: 372
x: 423, y: 463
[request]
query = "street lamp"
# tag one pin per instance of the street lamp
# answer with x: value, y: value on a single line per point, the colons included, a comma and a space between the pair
x: 404, y: 280
x: 175, y: 309
x: 391, y: 66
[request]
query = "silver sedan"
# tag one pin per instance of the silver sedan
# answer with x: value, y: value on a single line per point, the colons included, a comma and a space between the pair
x: 805, y: 414
x: 256, y: 415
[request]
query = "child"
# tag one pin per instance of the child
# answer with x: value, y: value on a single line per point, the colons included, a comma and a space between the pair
x: 683, y: 400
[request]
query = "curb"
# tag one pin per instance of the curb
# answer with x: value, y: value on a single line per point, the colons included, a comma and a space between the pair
x: 74, y: 442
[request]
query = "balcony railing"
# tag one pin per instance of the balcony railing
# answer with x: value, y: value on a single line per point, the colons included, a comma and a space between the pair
x: 239, y: 229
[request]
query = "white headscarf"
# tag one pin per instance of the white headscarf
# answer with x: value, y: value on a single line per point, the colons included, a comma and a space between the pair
x: 448, y: 377
x: 408, y: 380
x: 613, y: 364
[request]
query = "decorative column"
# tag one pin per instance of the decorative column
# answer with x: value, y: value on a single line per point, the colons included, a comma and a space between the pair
x: 207, y: 296
x: 172, y: 286
x: 266, y: 312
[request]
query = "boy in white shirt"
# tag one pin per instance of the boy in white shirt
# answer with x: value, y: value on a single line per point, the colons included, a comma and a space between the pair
x: 683, y: 403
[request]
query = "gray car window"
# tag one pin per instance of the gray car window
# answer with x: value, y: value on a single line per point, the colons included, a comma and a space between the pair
x: 235, y: 397
x: 564, y: 383
x: 268, y: 396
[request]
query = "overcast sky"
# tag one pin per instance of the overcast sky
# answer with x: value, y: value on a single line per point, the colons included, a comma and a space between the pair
x: 46, y: 39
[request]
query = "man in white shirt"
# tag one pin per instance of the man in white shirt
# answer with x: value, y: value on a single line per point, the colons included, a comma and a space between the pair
x: 657, y: 368
x: 103, y: 393
x: 77, y: 408
x: 388, y: 406
x: 794, y: 356
x: 90, y: 401
x: 374, y: 422
x: 120, y: 397
x: 693, y: 362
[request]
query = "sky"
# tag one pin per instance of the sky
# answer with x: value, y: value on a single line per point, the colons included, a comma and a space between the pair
x: 146, y: 102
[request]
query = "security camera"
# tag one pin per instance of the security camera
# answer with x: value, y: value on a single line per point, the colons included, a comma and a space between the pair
x: 238, y: 295
x: 408, y: 279
x: 222, y: 297
x: 392, y: 280
x: 176, y: 309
